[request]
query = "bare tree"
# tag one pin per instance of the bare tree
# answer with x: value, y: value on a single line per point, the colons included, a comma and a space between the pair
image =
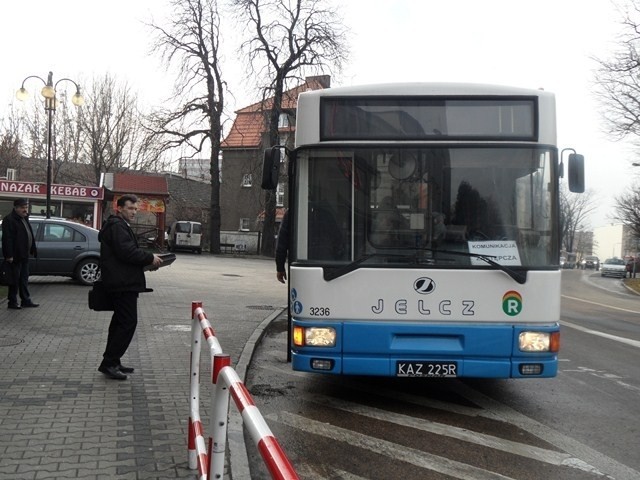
x: 29, y: 125
x: 113, y: 136
x: 627, y: 208
x: 192, y: 39
x: 10, y: 143
x: 288, y: 38
x: 575, y: 208
x: 618, y: 77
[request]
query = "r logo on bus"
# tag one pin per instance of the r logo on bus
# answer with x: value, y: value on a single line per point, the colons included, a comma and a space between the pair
x: 512, y: 303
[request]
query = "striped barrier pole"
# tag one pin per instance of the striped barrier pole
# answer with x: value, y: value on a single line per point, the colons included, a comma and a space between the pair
x: 274, y: 457
x: 199, y: 455
x: 219, y: 417
x: 210, y: 461
x: 198, y: 458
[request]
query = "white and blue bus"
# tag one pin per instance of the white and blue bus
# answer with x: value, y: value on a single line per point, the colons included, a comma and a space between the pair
x: 424, y: 231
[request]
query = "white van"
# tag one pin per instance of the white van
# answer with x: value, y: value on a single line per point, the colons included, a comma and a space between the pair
x: 185, y: 235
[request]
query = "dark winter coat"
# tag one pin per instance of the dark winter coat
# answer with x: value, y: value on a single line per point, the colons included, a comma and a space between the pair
x: 122, y: 261
x: 15, y: 241
x: 282, y: 244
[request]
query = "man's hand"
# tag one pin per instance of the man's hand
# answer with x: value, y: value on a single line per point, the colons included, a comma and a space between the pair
x: 157, y: 260
x: 282, y: 276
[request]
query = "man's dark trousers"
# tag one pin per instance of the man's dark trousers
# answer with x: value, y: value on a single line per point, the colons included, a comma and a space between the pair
x: 122, y: 327
x: 21, y: 270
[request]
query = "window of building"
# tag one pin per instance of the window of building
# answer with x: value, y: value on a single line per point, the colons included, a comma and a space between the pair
x: 244, y: 224
x: 283, y: 120
x: 247, y: 180
x: 78, y: 212
x: 280, y: 195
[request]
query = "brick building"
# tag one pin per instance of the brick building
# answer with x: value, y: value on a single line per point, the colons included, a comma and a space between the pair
x: 242, y: 199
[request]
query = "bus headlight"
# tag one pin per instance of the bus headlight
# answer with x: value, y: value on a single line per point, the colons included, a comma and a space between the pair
x: 539, y: 341
x: 314, y: 336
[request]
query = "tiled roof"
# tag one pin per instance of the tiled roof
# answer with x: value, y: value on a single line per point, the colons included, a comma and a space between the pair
x: 139, y: 184
x: 249, y: 124
x: 246, y: 131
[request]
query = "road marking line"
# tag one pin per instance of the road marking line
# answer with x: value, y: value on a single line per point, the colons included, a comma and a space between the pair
x: 463, y: 434
x: 501, y: 411
x: 415, y: 457
x: 308, y: 473
x: 493, y: 409
x: 627, y: 341
x: 600, y: 304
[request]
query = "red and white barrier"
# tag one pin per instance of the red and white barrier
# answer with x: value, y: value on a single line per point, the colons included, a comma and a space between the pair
x: 209, y: 460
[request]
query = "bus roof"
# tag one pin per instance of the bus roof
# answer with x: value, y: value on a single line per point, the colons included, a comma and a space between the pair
x: 308, y: 116
x: 427, y: 88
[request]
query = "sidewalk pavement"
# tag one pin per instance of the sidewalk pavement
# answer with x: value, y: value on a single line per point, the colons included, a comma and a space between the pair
x: 61, y: 419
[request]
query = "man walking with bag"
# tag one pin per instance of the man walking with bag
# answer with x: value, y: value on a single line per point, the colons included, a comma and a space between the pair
x: 122, y: 264
x: 18, y: 242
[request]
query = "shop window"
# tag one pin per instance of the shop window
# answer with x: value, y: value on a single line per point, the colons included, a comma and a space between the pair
x: 78, y: 212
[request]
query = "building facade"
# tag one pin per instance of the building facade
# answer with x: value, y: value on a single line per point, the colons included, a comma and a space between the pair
x: 241, y: 197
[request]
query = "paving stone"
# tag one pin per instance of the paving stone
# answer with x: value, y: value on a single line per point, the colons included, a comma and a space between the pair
x: 60, y: 418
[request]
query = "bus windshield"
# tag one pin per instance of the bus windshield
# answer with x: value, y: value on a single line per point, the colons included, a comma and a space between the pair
x: 443, y: 207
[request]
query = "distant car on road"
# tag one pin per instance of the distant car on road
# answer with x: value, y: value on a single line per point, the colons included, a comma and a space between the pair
x: 66, y: 249
x: 185, y: 235
x: 591, y: 261
x: 614, y: 267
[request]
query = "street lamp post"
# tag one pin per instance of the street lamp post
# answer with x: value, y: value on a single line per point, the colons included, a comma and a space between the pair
x: 49, y: 94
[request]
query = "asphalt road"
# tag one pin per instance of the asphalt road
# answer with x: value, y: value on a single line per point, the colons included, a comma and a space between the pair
x: 582, y: 424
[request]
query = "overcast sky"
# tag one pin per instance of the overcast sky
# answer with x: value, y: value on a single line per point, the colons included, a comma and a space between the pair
x: 533, y: 44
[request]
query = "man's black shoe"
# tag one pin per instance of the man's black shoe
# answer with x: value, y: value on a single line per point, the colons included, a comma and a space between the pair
x: 124, y: 369
x: 112, y: 372
x: 14, y: 306
x: 30, y: 305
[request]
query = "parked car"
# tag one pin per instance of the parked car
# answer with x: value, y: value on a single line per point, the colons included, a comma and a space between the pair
x: 65, y: 248
x: 185, y: 235
x: 614, y: 267
x: 591, y: 261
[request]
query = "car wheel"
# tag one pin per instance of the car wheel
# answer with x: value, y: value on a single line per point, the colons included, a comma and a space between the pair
x: 88, y: 271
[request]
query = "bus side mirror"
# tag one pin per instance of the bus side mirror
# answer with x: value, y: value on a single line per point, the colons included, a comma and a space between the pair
x: 270, y: 168
x: 576, y: 173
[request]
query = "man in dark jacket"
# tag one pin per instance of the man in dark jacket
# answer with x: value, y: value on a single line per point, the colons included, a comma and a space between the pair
x: 282, y: 248
x: 122, y: 264
x: 18, y: 242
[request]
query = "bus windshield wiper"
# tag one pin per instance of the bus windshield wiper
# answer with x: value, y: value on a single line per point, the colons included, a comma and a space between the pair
x: 519, y: 277
x: 333, y: 273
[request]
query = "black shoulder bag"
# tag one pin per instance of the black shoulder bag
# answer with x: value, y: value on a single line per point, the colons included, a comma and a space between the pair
x: 99, y: 298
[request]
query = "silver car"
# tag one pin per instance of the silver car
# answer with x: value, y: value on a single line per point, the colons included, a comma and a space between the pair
x: 65, y: 248
x: 613, y: 267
